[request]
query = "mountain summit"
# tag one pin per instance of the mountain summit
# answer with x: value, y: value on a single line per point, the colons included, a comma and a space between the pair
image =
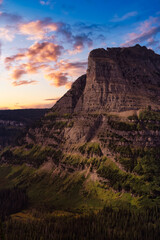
x: 117, y: 79
x: 99, y: 145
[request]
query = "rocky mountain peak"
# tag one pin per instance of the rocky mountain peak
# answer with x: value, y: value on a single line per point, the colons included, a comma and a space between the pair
x: 117, y: 79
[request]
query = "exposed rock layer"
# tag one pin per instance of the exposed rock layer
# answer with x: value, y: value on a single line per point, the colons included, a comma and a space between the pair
x: 118, y: 79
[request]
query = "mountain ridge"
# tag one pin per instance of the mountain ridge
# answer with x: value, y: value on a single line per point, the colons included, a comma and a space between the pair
x: 82, y: 155
x: 117, y: 79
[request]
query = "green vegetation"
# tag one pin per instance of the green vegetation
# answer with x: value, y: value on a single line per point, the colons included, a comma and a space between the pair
x: 32, y: 154
x: 83, y: 194
x: 91, y: 149
x: 147, y: 119
x: 110, y: 224
x: 149, y: 115
x: 51, y: 116
x: 122, y: 126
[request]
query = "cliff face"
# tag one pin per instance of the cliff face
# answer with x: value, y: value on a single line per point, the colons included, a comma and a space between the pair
x: 106, y: 128
x: 121, y: 81
x: 118, y: 79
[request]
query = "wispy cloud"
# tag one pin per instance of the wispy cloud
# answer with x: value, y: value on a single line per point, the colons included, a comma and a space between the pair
x: 10, y: 17
x: 23, y: 82
x: 52, y: 99
x: 126, y: 16
x: 1, y: 1
x: 146, y: 31
x: 42, y: 56
x: 50, y: 3
x: 6, y: 34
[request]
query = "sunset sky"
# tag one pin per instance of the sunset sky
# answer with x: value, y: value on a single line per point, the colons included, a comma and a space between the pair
x: 44, y: 44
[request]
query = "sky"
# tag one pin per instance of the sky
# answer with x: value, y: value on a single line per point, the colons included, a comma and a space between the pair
x: 44, y: 44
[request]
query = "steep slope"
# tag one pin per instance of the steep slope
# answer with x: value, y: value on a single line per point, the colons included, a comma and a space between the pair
x: 100, y: 142
x: 118, y: 79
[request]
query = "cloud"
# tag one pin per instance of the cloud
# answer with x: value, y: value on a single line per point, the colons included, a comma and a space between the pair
x: 58, y: 79
x: 17, y: 73
x: 37, y: 57
x: 52, y: 99
x: 44, y: 2
x: 63, y: 71
x: 78, y: 36
x: 41, y: 28
x: 73, y: 69
x: 23, y: 82
x: 10, y: 18
x: 6, y: 34
x: 44, y: 29
x: 79, y: 42
x: 65, y: 30
x: 44, y: 52
x: 81, y: 26
x: 152, y: 42
x: 146, y: 31
x: 124, y: 17
x: 37, y: 53
x: 1, y: 1
x: 50, y: 3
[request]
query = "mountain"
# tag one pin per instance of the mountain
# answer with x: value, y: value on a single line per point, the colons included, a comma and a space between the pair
x: 97, y: 148
x: 117, y: 79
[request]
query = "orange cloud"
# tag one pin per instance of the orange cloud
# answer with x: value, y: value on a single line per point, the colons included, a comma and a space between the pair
x: 38, y: 52
x: 58, y: 79
x: 40, y: 56
x: 63, y: 71
x: 9, y: 60
x: 44, y: 52
x: 37, y: 30
x: 37, y: 57
x: 73, y: 69
x: 23, y: 82
x: 17, y: 73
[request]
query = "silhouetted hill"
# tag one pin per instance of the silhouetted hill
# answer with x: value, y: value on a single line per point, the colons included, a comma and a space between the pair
x: 22, y: 115
x: 13, y: 123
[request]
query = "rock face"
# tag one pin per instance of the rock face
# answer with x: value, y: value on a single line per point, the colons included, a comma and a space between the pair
x: 117, y: 79
x: 68, y: 102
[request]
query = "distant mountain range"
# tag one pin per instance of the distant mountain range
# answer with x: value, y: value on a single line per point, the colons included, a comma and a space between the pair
x: 14, y: 122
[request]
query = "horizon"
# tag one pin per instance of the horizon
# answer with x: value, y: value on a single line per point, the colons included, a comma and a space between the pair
x: 45, y: 44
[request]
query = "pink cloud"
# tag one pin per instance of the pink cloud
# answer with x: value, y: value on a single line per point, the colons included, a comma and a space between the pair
x: 124, y: 17
x: 147, y: 29
x: 41, y: 28
x: 37, y: 57
x: 23, y: 82
x: 57, y: 78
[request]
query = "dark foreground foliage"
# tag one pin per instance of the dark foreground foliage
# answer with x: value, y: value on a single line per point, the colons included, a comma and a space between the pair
x: 108, y: 224
x: 12, y: 201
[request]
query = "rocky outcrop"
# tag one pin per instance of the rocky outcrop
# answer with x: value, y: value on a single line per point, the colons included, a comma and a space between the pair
x: 118, y: 79
x: 68, y: 103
